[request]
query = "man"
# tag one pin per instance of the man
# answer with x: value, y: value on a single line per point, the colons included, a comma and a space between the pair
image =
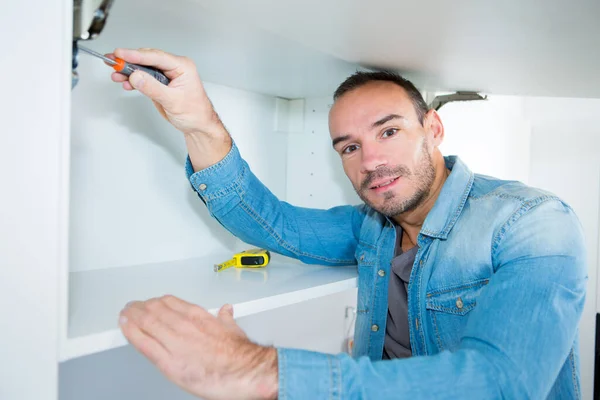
x: 469, y: 287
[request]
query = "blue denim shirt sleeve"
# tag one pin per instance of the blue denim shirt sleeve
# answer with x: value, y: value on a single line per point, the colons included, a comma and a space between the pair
x: 244, y: 206
x: 529, y: 312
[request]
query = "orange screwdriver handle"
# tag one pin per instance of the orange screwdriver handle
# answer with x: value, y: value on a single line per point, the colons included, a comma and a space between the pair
x: 125, y: 68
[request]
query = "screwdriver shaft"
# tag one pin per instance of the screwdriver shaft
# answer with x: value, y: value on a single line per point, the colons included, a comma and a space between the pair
x: 95, y: 54
x: 126, y: 68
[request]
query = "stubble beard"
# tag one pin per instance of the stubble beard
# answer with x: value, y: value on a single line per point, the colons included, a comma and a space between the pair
x: 392, y: 206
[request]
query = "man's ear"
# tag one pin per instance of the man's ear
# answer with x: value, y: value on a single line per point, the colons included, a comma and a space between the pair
x: 434, y: 127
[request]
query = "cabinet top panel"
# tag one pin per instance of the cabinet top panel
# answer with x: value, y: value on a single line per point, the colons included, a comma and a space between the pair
x: 536, y: 48
x: 227, y: 47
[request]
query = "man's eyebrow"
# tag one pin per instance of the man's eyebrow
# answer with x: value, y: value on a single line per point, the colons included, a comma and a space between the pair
x: 386, y: 119
x: 340, y: 139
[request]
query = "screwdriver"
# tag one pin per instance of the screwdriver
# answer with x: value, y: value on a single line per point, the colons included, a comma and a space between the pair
x: 125, y: 68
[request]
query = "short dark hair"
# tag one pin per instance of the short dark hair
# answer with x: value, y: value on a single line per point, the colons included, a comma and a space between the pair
x: 361, y: 78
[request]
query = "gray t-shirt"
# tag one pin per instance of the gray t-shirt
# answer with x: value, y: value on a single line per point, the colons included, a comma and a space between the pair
x: 397, y: 336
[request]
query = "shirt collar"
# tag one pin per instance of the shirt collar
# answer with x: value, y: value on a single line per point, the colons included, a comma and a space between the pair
x: 451, y: 200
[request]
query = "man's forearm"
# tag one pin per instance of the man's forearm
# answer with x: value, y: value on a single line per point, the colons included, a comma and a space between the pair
x: 464, y: 374
x: 249, y: 210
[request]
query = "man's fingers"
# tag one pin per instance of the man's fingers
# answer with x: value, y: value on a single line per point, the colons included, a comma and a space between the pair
x: 149, y: 322
x: 120, y: 78
x: 150, y: 87
x: 185, y: 308
x: 144, y: 343
x: 117, y: 77
x: 200, y: 317
x: 168, y: 63
x: 111, y: 56
x: 170, y: 318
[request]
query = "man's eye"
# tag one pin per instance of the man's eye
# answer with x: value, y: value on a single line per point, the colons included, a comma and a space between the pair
x: 389, y: 132
x: 349, y: 149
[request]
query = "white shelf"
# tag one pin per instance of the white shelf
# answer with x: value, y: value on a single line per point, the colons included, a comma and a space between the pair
x: 96, y: 297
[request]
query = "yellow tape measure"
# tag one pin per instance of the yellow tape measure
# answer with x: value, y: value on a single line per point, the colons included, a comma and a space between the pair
x: 253, y: 258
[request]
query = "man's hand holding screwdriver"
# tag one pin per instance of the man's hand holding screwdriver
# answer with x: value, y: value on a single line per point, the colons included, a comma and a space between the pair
x: 183, y: 103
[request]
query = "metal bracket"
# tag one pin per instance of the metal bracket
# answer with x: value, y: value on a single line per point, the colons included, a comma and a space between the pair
x: 441, y: 100
x: 89, y: 18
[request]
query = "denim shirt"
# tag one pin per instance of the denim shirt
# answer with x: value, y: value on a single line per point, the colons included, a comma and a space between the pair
x: 495, y: 295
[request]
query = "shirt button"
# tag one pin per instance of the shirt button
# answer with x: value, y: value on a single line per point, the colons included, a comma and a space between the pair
x: 421, y: 263
x: 381, y: 272
x: 362, y: 257
x: 374, y: 328
x: 202, y: 186
x: 459, y: 303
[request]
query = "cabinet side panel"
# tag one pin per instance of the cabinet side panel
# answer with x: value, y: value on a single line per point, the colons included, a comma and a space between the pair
x: 34, y: 102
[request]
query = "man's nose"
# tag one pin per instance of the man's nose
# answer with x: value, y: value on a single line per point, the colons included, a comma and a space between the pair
x: 372, y: 157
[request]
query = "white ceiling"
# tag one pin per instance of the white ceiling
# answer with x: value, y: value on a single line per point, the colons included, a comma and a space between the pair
x: 527, y: 47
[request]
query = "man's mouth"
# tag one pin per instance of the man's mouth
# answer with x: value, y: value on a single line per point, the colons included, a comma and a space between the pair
x: 385, y: 183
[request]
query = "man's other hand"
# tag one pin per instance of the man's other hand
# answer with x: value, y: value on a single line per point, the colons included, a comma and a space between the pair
x: 208, y: 356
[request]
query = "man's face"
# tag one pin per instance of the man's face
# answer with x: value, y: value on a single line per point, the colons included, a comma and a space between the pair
x: 385, y: 151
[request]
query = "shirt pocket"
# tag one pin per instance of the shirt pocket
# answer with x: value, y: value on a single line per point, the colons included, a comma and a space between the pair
x: 448, y: 311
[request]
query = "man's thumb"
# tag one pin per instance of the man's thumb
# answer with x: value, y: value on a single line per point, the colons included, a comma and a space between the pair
x: 226, y: 312
x: 148, y: 86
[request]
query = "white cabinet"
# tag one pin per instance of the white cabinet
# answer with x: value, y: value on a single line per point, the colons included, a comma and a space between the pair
x: 136, y: 228
x: 96, y: 210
